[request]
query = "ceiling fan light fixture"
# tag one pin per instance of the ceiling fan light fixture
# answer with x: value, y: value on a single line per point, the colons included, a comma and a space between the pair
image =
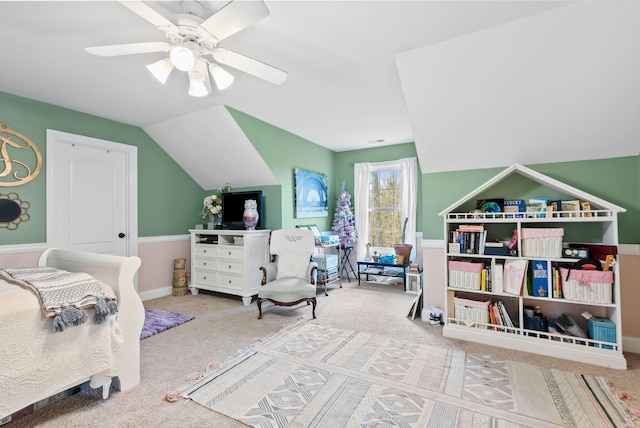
x: 161, y: 69
x: 221, y: 77
x: 199, y: 83
x: 182, y: 58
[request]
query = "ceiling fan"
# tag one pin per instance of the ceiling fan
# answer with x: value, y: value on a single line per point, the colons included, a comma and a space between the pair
x: 193, y: 44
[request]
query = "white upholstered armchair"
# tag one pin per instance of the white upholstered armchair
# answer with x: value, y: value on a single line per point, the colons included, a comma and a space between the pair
x: 289, y: 278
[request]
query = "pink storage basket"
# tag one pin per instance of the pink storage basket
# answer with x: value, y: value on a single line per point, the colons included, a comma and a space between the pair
x: 541, y: 242
x: 465, y: 274
x: 592, y: 286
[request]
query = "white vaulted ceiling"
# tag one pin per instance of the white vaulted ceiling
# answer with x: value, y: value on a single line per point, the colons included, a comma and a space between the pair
x: 474, y: 83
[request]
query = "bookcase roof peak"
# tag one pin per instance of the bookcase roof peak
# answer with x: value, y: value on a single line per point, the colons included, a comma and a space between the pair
x: 537, y: 177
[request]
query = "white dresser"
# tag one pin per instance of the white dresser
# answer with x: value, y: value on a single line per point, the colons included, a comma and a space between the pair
x: 228, y: 261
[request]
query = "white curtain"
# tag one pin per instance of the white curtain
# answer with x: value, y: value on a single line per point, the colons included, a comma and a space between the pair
x: 409, y: 170
x: 361, y: 205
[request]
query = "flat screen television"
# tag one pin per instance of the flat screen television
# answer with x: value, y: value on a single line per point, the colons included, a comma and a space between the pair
x: 233, y: 208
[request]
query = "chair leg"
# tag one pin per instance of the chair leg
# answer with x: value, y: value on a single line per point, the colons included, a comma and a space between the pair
x: 313, y: 311
x: 259, y: 303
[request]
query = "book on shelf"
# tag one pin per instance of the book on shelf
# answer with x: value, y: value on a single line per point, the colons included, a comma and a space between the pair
x: 496, y: 249
x: 537, y: 207
x: 556, y: 283
x: 514, y: 275
x: 470, y: 227
x: 540, y: 273
x: 506, y: 319
x: 497, y: 280
x: 483, y: 279
x: 496, y: 314
x: 492, y: 316
x: 514, y: 208
x: 571, y: 208
x: 554, y: 207
x: 472, y: 241
x: 492, y: 206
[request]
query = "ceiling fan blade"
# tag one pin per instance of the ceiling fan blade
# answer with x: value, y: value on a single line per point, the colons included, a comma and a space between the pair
x: 250, y: 66
x: 150, y: 15
x: 233, y: 17
x: 129, y: 49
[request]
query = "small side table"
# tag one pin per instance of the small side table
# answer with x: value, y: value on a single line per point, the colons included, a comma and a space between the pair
x: 346, y: 265
x: 414, y: 282
x: 380, y: 270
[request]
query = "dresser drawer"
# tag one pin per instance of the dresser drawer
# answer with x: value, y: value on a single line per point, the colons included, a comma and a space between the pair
x: 231, y: 282
x: 208, y: 278
x: 205, y: 250
x: 204, y: 263
x: 230, y: 266
x: 228, y: 252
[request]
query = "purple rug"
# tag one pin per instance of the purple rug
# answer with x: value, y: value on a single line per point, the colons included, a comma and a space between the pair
x: 156, y: 321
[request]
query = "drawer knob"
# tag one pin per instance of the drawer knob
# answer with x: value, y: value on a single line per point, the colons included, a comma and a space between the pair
x: 229, y: 266
x: 229, y: 252
x: 204, y: 263
x: 205, y: 277
x: 229, y: 281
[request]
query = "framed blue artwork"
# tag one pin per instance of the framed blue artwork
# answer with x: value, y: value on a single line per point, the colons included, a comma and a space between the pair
x: 311, y: 194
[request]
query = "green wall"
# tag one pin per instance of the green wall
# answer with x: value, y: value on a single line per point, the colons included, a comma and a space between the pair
x: 344, y: 162
x: 283, y: 151
x: 616, y: 180
x: 168, y: 199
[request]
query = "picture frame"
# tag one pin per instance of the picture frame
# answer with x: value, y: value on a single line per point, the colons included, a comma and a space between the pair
x: 311, y: 196
x: 315, y: 230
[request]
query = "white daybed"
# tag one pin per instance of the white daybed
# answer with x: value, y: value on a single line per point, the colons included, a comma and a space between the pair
x: 37, y: 363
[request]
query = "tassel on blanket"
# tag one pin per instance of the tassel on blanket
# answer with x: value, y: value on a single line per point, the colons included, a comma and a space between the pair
x: 104, y: 308
x: 68, y: 316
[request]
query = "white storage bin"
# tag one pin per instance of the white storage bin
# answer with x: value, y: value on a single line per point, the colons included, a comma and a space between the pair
x: 541, y: 242
x: 591, y: 286
x: 465, y: 274
x: 471, y: 310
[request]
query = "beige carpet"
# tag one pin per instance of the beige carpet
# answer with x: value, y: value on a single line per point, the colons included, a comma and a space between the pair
x: 223, y: 325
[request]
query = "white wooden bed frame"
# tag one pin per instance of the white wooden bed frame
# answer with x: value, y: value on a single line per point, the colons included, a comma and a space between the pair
x: 119, y: 272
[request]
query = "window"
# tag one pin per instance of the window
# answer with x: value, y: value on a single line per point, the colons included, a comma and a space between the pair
x: 385, y: 211
x: 385, y: 195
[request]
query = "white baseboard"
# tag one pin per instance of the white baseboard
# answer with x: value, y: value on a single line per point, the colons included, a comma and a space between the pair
x: 156, y: 293
x: 631, y: 344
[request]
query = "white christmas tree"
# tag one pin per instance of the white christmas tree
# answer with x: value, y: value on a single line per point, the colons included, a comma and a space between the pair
x: 344, y: 221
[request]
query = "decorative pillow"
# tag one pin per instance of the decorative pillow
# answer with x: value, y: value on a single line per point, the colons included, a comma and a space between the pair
x: 293, y: 264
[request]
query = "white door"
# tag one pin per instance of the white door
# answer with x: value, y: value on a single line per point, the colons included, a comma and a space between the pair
x: 91, y: 194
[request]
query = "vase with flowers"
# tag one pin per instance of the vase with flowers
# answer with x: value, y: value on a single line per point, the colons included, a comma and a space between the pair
x: 212, y: 207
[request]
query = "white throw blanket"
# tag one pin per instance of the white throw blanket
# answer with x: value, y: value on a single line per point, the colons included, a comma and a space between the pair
x: 64, y: 295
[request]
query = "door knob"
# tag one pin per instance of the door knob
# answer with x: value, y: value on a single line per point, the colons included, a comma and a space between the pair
x: 121, y: 235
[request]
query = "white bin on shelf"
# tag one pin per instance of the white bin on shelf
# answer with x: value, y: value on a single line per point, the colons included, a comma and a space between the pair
x: 542, y: 242
x: 465, y: 274
x: 471, y: 310
x: 591, y: 286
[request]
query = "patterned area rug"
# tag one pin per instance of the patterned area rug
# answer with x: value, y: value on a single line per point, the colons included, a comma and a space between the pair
x: 156, y: 321
x: 316, y: 376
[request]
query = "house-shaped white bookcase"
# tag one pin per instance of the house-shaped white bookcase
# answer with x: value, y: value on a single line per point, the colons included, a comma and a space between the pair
x: 469, y: 308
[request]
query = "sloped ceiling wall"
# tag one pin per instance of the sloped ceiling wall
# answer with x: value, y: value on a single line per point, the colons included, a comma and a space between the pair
x: 210, y: 145
x: 558, y: 86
